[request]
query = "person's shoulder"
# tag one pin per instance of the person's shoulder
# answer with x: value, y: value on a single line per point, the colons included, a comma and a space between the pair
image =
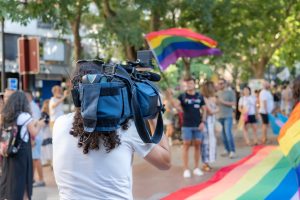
x: 65, y: 119
x: 199, y: 94
x: 61, y: 124
x: 181, y: 96
x: 23, y: 117
x: 53, y: 99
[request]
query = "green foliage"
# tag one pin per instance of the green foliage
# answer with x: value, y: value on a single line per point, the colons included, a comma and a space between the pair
x: 251, y: 33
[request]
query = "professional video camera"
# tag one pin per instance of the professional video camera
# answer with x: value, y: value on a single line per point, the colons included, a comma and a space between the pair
x: 110, y: 96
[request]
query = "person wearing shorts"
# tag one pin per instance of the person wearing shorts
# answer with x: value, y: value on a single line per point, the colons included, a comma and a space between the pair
x: 247, y: 106
x: 36, y: 157
x: 193, y: 106
x: 266, y: 103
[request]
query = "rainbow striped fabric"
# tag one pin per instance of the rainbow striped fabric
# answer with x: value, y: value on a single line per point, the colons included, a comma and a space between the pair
x: 265, y: 174
x: 289, y: 139
x: 171, y: 44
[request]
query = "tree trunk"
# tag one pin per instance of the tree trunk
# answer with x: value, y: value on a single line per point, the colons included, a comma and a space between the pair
x: 77, y: 40
x: 259, y: 67
x: 75, y: 25
x: 108, y: 12
x: 187, y: 68
x: 155, y: 20
x: 130, y: 52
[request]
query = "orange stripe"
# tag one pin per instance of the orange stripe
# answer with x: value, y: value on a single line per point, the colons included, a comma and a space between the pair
x: 295, y: 116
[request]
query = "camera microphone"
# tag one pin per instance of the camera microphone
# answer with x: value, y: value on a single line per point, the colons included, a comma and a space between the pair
x: 151, y: 76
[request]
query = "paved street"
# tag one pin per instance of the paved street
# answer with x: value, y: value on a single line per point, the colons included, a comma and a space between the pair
x: 152, y: 184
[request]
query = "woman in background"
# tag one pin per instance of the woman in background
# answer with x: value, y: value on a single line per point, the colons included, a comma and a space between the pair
x: 16, y: 180
x: 210, y: 143
x: 169, y: 114
x: 47, y: 136
x: 247, y: 107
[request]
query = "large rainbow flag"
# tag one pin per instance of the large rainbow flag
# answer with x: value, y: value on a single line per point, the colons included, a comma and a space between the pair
x: 171, y: 44
x: 265, y: 174
x: 289, y: 139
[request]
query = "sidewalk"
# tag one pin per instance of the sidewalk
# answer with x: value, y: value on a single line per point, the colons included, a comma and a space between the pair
x: 152, y: 184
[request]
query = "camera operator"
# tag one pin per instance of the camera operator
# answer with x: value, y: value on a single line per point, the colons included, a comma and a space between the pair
x: 98, y: 165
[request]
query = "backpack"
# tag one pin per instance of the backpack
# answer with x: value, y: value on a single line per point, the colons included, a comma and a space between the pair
x: 8, y: 139
x: 110, y: 96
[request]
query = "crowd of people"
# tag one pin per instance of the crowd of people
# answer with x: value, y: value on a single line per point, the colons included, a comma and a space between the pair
x: 202, y: 113
x: 22, y: 172
x: 92, y: 159
x: 212, y: 108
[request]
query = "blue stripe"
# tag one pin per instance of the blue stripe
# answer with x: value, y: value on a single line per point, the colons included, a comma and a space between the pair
x: 181, y: 45
x: 287, y: 188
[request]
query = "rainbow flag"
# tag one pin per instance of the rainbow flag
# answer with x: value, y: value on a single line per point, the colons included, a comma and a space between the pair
x: 289, y: 139
x: 171, y: 44
x: 265, y: 174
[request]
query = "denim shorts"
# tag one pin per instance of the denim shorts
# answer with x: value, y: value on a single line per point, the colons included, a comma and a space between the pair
x: 37, y: 148
x: 191, y: 133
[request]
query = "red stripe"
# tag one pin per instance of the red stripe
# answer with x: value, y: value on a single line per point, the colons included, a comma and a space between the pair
x: 181, y: 32
x: 188, y: 191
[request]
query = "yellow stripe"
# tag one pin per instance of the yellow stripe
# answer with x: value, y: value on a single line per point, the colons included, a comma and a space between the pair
x: 252, y: 177
x: 155, y: 42
x: 291, y: 137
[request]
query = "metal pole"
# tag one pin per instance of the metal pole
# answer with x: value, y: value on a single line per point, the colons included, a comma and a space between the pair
x: 3, y: 80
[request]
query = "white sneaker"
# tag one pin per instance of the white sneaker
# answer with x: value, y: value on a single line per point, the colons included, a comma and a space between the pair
x: 197, y: 172
x: 187, y: 174
x: 224, y: 153
x: 232, y: 155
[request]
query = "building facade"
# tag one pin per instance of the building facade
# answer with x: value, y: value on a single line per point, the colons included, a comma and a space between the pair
x: 54, y: 50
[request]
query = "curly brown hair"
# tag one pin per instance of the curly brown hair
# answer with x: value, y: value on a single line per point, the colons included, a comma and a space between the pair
x: 92, y: 141
x: 16, y: 104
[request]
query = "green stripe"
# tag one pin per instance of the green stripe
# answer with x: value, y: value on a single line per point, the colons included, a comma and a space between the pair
x: 253, y: 176
x: 167, y: 41
x: 294, y: 155
x: 269, y: 182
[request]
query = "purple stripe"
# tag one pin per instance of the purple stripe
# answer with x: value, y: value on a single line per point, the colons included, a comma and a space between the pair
x: 170, y: 59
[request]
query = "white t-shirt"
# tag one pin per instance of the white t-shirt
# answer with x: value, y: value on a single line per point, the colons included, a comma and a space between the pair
x: 36, y: 112
x: 265, y: 95
x: 96, y: 175
x: 24, y: 118
x: 249, y: 103
x: 57, y: 111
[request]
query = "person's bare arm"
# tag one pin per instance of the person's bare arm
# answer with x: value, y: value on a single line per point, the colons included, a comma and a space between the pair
x: 204, y: 114
x: 35, y: 126
x: 159, y: 156
x: 176, y: 104
x: 209, y: 110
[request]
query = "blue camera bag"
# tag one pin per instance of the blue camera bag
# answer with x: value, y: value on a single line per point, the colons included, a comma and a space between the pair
x: 107, y: 100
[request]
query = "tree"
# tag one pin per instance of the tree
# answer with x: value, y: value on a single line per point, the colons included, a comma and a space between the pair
x: 65, y: 15
x: 251, y: 32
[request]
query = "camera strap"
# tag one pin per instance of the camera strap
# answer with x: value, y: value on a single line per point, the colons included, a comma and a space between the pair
x: 141, y: 127
x: 140, y: 123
